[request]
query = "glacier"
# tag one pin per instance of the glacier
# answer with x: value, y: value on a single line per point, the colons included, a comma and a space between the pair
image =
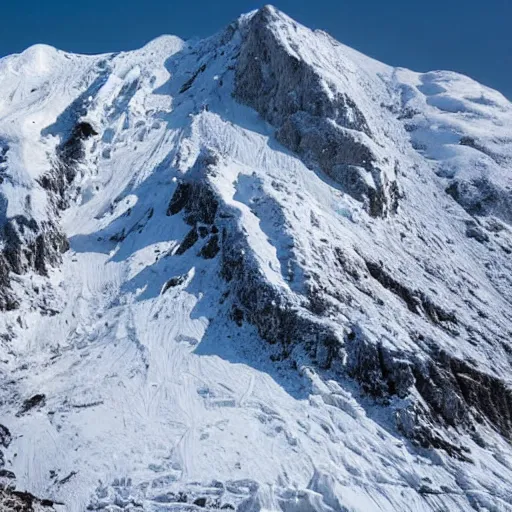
x: 255, y: 272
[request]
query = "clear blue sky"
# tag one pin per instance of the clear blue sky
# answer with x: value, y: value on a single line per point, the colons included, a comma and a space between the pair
x: 471, y: 36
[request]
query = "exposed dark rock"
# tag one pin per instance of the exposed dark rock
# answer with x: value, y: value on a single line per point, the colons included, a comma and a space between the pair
x: 173, y: 282
x: 180, y: 198
x: 67, y: 478
x: 276, y: 318
x: 196, y: 197
x: 16, y: 501
x: 69, y: 154
x: 455, y: 389
x: 456, y: 393
x: 190, y: 239
x: 29, y: 245
x: 202, y: 206
x: 388, y: 282
x: 32, y: 246
x: 5, y: 441
x: 340, y: 153
x: 416, y: 300
x: 482, y: 197
x: 7, y: 301
x: 203, y: 231
x: 55, y: 181
x: 384, y: 373
x: 237, y: 315
x: 200, y: 502
x: 267, y: 72
x: 416, y: 424
x: 72, y: 150
x: 30, y: 403
x: 211, y: 248
x: 84, y: 130
x: 5, y: 473
x: 326, y: 128
x: 380, y: 371
x: 118, y: 237
x: 473, y: 230
x: 14, y: 232
x: 188, y: 84
x: 4, y: 149
x: 5, y: 436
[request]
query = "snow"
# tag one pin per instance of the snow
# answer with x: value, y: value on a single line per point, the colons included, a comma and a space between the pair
x: 151, y: 393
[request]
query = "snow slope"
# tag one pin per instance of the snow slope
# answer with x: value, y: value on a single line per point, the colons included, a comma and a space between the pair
x: 257, y: 272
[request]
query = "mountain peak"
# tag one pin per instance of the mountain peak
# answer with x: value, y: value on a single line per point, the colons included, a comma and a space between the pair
x: 268, y: 13
x: 259, y: 271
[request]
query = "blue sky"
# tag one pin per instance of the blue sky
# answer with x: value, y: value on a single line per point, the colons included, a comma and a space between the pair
x: 469, y: 36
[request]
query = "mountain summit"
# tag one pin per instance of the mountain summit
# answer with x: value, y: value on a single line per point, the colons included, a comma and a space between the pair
x: 256, y: 272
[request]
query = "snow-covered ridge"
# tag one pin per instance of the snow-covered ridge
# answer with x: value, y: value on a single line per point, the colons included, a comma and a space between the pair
x: 259, y: 271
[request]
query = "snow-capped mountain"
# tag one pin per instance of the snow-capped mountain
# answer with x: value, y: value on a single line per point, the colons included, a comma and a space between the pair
x: 256, y: 272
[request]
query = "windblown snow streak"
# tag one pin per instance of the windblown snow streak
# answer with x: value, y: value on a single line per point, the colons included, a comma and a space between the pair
x: 257, y: 272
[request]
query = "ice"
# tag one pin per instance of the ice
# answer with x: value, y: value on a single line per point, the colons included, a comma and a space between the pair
x: 158, y: 389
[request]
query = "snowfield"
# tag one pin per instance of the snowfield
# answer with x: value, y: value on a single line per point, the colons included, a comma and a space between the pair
x: 256, y: 272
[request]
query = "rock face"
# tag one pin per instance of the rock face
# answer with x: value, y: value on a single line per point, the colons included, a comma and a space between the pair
x: 279, y: 318
x: 313, y: 118
x: 456, y: 394
x: 259, y: 271
x: 481, y: 196
x: 69, y: 155
x: 29, y: 245
x: 15, y: 501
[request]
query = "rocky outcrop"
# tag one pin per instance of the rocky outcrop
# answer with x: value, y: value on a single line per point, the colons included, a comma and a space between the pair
x: 4, y: 148
x: 322, y: 125
x: 5, y: 441
x: 278, y: 84
x: 27, y: 245
x: 31, y: 245
x: 436, y: 389
x: 279, y: 318
x: 481, y: 196
x: 200, y: 204
x: 343, y: 154
x: 7, y: 300
x: 461, y: 393
x: 17, y: 501
x: 69, y: 154
x: 416, y: 300
x: 38, y: 400
x: 453, y: 392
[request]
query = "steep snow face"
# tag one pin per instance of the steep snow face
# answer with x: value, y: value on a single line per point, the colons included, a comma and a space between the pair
x: 258, y: 272
x: 466, y: 128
